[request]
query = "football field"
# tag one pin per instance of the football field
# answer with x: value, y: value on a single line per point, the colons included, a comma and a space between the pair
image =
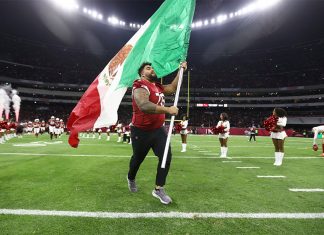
x: 47, y: 187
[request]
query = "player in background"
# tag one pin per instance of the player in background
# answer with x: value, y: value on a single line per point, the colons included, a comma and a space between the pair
x: 252, y: 133
x: 316, y: 130
x: 29, y: 127
x: 57, y: 127
x: 62, y: 126
x: 51, y: 126
x: 108, y: 133
x: 119, y: 129
x: 36, y: 127
x: 99, y: 132
x: 42, y: 127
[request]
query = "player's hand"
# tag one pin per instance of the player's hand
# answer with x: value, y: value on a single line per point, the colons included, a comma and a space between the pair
x: 173, y: 111
x: 184, y: 65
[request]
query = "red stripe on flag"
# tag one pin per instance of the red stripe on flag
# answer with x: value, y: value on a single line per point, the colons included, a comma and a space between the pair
x: 85, y: 113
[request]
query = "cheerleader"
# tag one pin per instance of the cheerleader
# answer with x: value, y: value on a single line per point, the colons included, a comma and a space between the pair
x: 279, y: 135
x: 184, y: 133
x: 108, y: 133
x: 316, y: 130
x: 223, y: 137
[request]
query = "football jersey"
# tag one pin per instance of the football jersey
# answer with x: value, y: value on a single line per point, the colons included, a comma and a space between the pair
x: 184, y: 124
x: 225, y: 124
x: 147, y: 121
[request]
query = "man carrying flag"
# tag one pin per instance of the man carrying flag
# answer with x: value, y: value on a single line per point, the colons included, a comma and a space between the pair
x: 148, y: 131
x: 163, y: 40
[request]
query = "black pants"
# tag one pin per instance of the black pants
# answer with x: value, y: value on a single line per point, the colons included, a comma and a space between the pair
x: 142, y: 142
x: 126, y: 138
x: 252, y: 135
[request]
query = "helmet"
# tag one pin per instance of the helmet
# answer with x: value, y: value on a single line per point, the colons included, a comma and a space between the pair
x: 36, y: 120
x: 61, y: 120
x: 57, y: 119
x: 52, y: 117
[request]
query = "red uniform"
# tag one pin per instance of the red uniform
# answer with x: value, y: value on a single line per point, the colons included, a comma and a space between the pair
x: 147, y: 121
x: 51, y: 122
x: 57, y: 124
x: 36, y: 124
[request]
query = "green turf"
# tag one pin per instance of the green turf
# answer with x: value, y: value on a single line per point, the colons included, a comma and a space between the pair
x: 198, y: 182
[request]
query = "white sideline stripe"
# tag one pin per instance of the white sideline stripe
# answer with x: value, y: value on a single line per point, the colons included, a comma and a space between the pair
x: 306, y: 189
x: 184, y: 215
x: 230, y: 161
x: 271, y: 176
x: 128, y: 156
x: 248, y: 167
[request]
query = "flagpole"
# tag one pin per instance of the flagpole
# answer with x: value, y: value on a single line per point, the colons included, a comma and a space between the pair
x: 167, y: 144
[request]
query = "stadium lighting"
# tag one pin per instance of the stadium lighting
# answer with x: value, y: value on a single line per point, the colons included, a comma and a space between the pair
x: 256, y: 5
x: 68, y: 5
x: 199, y: 24
x: 264, y: 4
x: 221, y: 18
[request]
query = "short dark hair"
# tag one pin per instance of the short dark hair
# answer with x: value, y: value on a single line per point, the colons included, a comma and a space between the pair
x: 225, y: 116
x: 140, y: 69
x: 280, y: 112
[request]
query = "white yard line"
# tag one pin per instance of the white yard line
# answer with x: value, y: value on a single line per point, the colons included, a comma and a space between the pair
x: 128, y: 156
x: 271, y: 176
x: 306, y: 189
x: 181, y: 215
x: 247, y: 167
x: 231, y: 161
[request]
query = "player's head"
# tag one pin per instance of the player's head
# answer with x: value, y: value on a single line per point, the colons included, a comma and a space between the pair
x: 61, y: 120
x: 43, y: 121
x: 146, y: 71
x: 279, y: 112
x: 184, y: 118
x: 52, y: 117
x: 36, y: 120
x: 57, y: 119
x: 223, y: 116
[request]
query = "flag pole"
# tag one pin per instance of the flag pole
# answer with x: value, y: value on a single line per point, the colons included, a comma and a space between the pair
x: 188, y: 98
x: 167, y: 144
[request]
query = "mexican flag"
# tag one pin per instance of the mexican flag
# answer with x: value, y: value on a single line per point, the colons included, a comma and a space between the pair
x: 163, y: 40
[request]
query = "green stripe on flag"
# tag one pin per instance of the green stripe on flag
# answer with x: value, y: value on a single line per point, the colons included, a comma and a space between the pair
x: 164, y: 43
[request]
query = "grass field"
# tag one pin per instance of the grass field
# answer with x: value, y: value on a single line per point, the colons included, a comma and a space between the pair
x: 50, y: 175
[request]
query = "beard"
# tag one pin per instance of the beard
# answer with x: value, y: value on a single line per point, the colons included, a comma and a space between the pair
x: 153, y: 77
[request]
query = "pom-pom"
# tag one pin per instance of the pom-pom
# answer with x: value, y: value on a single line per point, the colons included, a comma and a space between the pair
x: 270, y: 123
x: 218, y: 130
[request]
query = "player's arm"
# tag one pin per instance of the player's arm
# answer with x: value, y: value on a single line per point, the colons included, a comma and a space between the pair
x: 315, y: 136
x: 141, y: 97
x: 227, y: 127
x: 172, y: 87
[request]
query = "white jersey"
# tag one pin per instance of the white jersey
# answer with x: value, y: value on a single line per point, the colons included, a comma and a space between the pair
x: 316, y: 130
x: 119, y: 128
x: 184, y: 125
x: 282, y: 121
x: 226, y: 126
